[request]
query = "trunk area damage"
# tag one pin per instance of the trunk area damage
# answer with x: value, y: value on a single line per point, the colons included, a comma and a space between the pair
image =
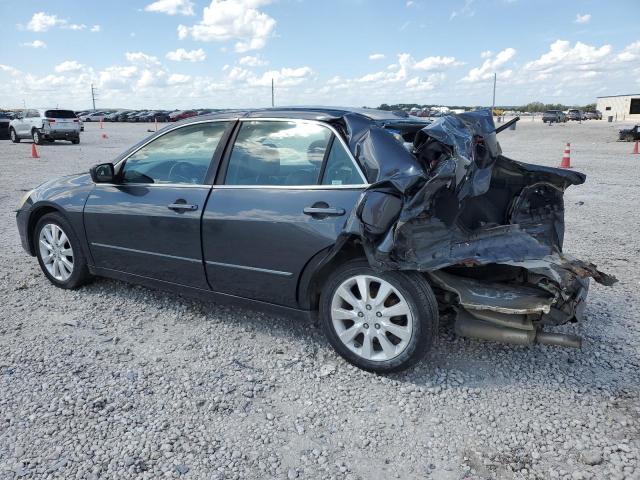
x: 486, y: 230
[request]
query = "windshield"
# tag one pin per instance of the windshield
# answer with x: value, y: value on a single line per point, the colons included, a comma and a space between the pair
x: 551, y: 112
x: 59, y: 114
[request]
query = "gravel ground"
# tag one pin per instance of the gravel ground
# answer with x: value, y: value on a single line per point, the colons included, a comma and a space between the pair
x: 119, y: 381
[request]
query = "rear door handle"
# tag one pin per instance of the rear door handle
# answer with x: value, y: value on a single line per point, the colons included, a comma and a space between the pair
x: 182, y: 206
x: 328, y: 211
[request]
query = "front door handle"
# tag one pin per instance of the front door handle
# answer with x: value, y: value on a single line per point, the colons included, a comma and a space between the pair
x: 325, y: 211
x: 182, y: 206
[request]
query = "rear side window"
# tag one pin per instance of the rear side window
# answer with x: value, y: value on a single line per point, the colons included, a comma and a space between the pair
x: 59, y: 114
x: 340, y: 169
x: 182, y: 155
x: 278, y: 153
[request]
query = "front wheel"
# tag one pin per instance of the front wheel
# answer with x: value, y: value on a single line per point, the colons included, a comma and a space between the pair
x: 381, y: 322
x: 59, y: 253
x: 75, y: 141
x: 14, y: 136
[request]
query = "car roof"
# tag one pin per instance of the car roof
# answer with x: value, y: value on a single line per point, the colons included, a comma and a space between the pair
x: 306, y: 113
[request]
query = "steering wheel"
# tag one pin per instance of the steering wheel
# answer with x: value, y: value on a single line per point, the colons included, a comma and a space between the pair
x: 180, y: 172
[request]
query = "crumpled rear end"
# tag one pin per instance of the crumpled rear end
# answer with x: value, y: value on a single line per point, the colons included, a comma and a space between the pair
x: 486, y: 230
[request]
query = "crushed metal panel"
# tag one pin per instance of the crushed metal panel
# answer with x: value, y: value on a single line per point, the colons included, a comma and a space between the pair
x: 498, y: 297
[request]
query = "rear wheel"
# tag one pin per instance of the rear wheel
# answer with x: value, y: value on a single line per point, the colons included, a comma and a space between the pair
x: 14, y: 136
x: 381, y: 322
x: 59, y: 253
x: 75, y: 141
x: 37, y: 136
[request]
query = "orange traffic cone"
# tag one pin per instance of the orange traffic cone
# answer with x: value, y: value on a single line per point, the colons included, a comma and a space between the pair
x: 566, y: 157
x: 635, y: 148
x: 34, y: 151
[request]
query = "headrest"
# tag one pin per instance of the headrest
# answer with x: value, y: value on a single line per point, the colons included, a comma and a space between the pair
x: 315, y: 152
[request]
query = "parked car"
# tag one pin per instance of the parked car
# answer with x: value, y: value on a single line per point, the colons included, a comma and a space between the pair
x: 575, y: 114
x: 630, y: 134
x: 93, y: 117
x: 48, y: 124
x: 113, y: 116
x: 554, y: 116
x: 181, y: 115
x: 5, y: 119
x: 298, y: 210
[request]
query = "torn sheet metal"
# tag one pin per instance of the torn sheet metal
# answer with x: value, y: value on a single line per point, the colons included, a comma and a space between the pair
x: 452, y: 199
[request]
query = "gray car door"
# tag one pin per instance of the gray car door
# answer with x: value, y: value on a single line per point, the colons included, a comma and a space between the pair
x: 148, y: 224
x: 283, y: 194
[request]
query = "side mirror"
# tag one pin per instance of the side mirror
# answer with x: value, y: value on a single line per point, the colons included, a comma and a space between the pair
x: 102, y: 173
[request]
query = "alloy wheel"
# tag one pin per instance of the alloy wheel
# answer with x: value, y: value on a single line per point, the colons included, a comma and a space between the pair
x: 371, y: 317
x: 56, y: 252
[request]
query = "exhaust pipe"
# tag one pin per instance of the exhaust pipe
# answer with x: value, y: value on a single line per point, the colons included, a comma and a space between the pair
x: 467, y: 326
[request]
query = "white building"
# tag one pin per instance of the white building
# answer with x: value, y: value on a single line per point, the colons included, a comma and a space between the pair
x: 620, y: 107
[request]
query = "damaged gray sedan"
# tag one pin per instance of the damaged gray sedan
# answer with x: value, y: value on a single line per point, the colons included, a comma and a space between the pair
x: 374, y: 221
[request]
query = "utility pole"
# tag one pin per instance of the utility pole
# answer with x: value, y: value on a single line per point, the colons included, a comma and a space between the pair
x: 93, y: 97
x: 273, y: 96
x: 493, y: 103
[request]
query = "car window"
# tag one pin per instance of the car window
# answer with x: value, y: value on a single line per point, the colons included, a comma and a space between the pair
x: 33, y: 114
x: 277, y: 153
x: 180, y: 156
x: 340, y: 169
x: 59, y: 114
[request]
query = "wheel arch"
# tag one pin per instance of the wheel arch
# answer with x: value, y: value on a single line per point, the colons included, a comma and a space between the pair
x: 319, y: 268
x: 37, y: 213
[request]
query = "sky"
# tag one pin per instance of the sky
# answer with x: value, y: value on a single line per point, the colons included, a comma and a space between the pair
x: 225, y: 53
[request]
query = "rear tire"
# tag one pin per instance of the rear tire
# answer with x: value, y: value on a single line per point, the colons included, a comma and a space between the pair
x: 385, y: 334
x: 59, y: 252
x: 76, y: 141
x: 14, y: 136
x: 37, y: 137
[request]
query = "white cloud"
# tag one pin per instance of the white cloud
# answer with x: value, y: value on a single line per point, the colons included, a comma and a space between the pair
x: 436, y: 63
x: 74, y: 26
x: 285, y: 77
x: 490, y: 66
x: 10, y: 70
x: 465, y: 11
x: 177, y: 78
x: 239, y: 20
x: 376, y: 56
x: 486, y: 54
x: 68, y: 66
x: 171, y: 7
x: 583, y: 18
x: 96, y: 28
x: 562, y: 56
x: 252, y: 61
x: 35, y: 44
x: 630, y: 53
x: 141, y: 58
x: 182, y: 55
x: 41, y: 22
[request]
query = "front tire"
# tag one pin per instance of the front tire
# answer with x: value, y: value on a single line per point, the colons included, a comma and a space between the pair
x: 59, y: 252
x: 14, y: 136
x: 380, y: 322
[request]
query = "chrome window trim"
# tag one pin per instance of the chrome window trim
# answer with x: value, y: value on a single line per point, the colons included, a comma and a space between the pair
x: 292, y: 187
x: 317, y: 122
x: 252, y: 269
x: 362, y: 186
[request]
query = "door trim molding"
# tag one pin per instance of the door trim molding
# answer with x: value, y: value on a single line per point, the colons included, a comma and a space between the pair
x: 253, y: 269
x: 146, y: 252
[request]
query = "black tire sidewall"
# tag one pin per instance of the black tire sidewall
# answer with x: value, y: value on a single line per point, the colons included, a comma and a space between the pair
x: 418, y: 295
x: 37, y: 137
x: 80, y: 269
x: 13, y: 136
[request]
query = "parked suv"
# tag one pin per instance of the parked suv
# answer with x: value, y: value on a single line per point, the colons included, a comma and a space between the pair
x: 50, y: 125
x: 575, y: 114
x: 554, y: 116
